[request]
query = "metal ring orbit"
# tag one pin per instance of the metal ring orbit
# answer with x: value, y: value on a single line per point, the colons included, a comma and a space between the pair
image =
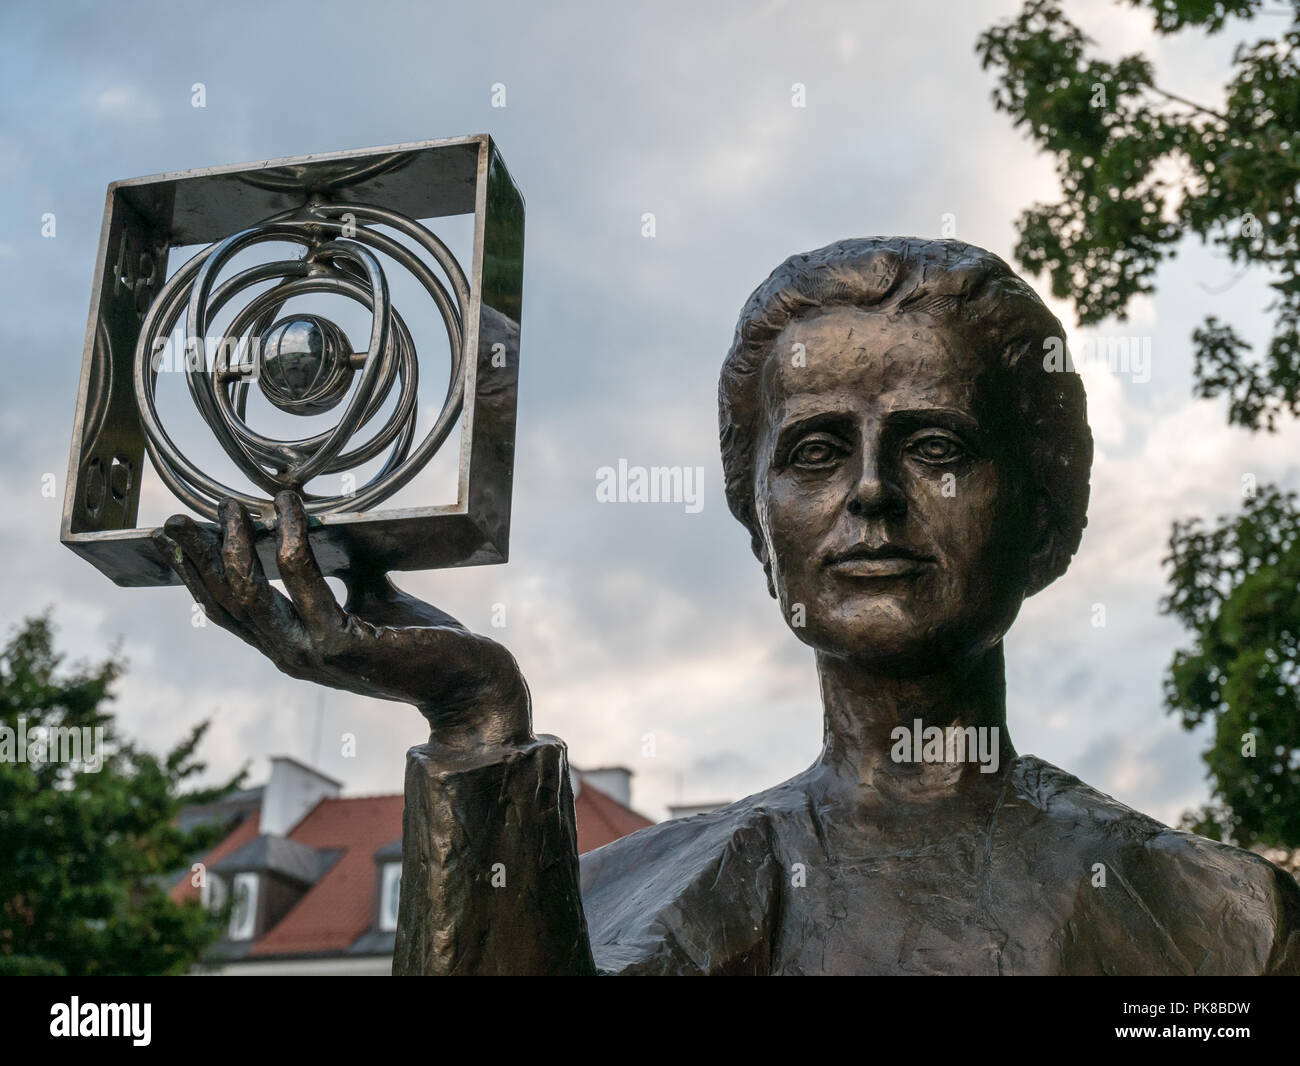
x: 338, y: 259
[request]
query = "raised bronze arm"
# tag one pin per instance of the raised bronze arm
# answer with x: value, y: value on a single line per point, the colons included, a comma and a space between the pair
x: 489, y: 844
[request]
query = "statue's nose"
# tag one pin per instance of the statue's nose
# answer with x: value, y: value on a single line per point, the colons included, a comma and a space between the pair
x: 875, y: 492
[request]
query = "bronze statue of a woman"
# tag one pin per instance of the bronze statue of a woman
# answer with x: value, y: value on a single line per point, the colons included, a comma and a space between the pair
x: 910, y: 468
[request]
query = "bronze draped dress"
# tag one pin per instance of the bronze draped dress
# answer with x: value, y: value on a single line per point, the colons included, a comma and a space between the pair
x: 1053, y: 878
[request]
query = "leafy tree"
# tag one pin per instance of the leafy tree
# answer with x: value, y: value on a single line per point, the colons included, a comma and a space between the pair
x: 1235, y: 586
x: 1142, y: 168
x: 85, y: 854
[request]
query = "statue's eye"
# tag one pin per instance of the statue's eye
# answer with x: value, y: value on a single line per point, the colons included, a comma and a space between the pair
x: 815, y: 453
x: 938, y: 449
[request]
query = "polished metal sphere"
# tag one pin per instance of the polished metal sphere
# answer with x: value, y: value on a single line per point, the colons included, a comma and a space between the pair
x: 306, y: 364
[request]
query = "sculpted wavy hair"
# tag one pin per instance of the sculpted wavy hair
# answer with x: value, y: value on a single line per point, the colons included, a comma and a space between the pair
x: 950, y: 281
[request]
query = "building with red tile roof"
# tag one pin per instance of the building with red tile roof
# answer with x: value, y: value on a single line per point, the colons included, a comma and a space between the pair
x: 314, y: 875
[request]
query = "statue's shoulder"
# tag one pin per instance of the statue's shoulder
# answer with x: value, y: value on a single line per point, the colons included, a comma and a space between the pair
x: 691, y: 895
x: 1218, y: 908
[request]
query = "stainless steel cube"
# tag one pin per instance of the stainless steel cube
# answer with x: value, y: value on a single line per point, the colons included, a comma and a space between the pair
x: 329, y: 204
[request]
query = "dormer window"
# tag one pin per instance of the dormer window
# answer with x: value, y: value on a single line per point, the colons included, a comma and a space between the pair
x: 243, y: 912
x: 390, y: 890
x: 266, y: 878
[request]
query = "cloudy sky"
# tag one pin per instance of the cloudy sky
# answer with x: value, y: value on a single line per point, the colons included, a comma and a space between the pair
x: 627, y: 620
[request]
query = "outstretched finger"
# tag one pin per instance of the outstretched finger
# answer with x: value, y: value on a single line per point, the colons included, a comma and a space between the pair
x: 202, y: 553
x: 212, y: 609
x: 264, y: 608
x: 317, y: 607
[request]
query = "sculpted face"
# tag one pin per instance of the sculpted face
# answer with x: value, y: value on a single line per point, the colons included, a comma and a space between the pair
x: 890, y: 490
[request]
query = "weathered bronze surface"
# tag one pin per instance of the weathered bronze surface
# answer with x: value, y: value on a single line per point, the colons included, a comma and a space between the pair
x: 910, y: 470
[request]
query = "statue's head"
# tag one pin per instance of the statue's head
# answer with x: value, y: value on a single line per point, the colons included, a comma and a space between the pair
x: 909, y: 462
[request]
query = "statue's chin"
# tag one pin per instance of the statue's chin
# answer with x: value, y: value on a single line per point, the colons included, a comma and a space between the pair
x: 882, y: 642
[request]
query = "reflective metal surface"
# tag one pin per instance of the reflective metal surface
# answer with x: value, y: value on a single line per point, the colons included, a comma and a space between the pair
x: 219, y: 382
x: 338, y: 209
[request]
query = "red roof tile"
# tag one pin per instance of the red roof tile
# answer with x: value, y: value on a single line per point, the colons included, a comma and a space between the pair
x: 602, y: 819
x: 341, y: 905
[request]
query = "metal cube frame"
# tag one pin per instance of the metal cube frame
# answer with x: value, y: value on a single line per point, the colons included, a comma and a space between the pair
x: 145, y: 217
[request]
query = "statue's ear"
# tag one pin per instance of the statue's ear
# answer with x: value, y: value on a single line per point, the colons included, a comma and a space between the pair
x: 1041, y: 569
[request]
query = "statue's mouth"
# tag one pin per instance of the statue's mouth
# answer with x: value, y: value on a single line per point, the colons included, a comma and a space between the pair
x: 878, y: 560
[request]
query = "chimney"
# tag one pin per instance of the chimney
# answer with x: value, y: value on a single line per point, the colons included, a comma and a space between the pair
x: 614, y: 781
x: 294, y: 789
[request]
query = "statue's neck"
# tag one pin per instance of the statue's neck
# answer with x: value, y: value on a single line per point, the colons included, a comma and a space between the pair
x: 914, y: 738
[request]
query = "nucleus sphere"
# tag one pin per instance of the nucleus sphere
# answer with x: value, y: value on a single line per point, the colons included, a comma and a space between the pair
x: 305, y: 364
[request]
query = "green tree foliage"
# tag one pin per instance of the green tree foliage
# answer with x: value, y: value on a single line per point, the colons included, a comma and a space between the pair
x: 85, y: 856
x: 1141, y: 168
x: 1235, y: 586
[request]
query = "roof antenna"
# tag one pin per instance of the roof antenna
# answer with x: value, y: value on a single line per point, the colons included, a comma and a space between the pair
x: 320, y: 716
